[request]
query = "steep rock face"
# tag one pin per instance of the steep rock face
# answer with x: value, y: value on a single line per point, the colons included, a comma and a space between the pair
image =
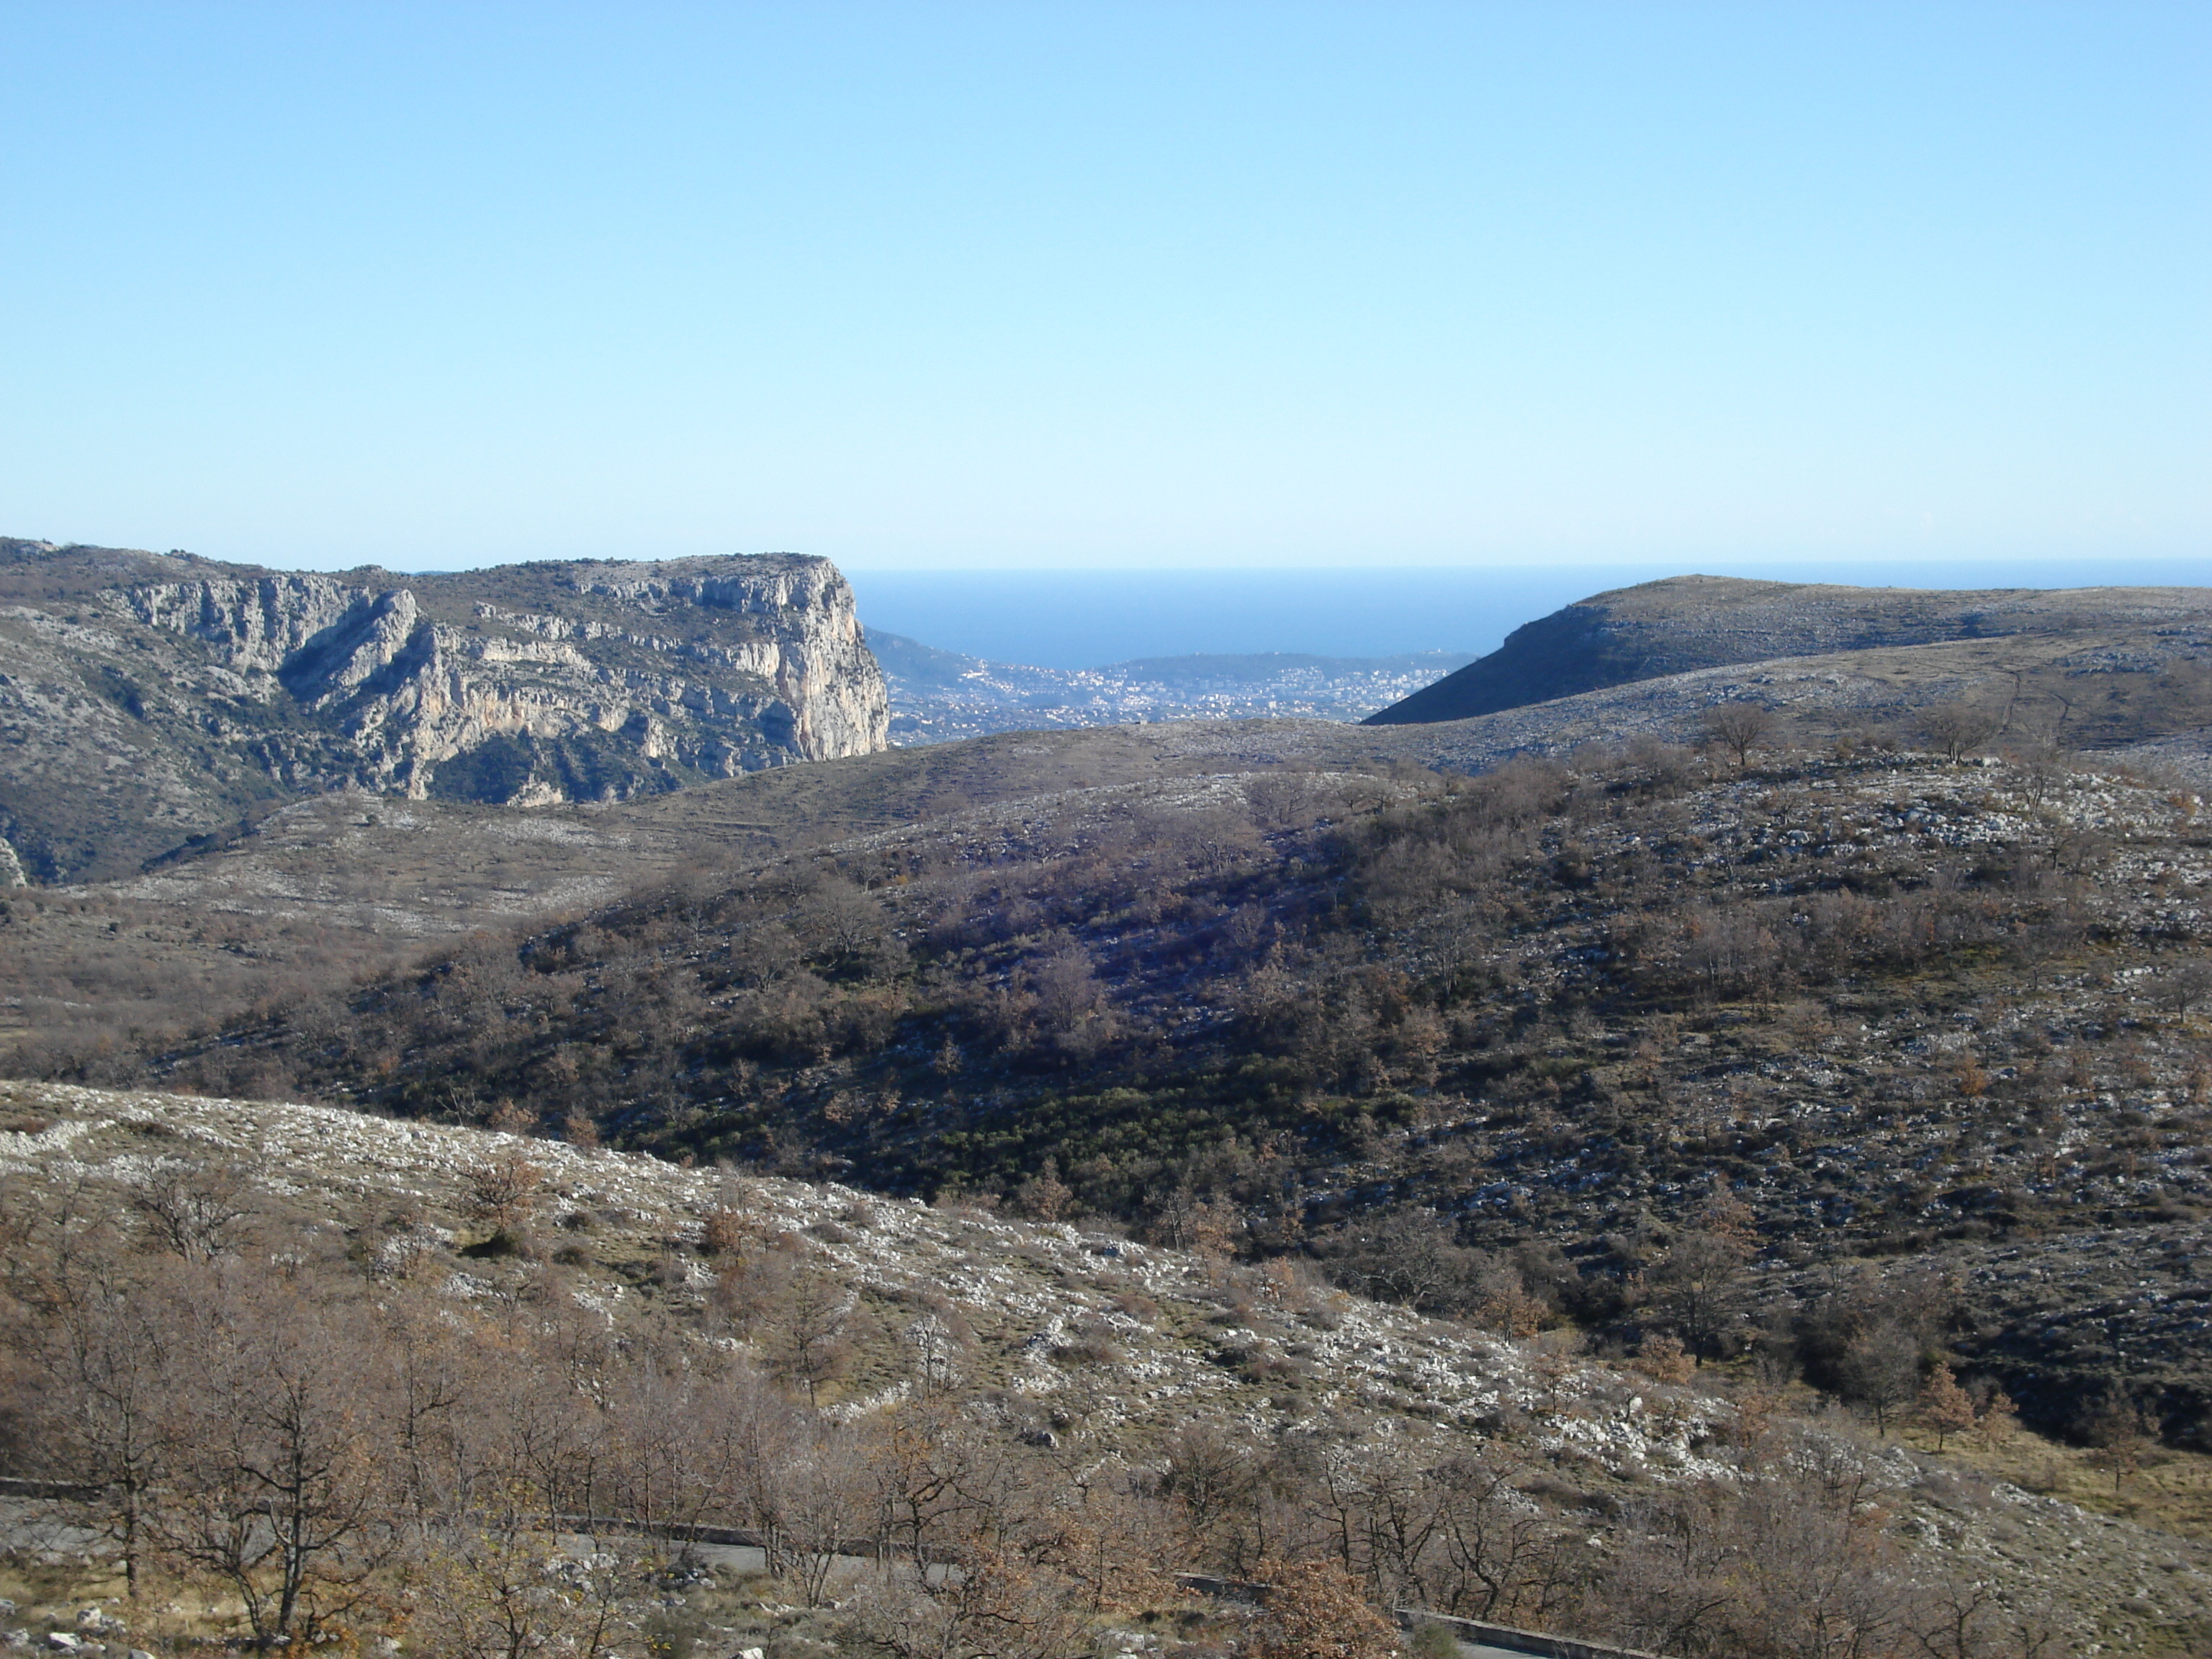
x: 783, y: 674
x: 257, y: 625
x: 145, y: 698
x: 1689, y: 622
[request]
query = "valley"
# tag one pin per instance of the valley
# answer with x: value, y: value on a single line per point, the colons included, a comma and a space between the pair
x: 941, y: 695
x: 1653, y: 1093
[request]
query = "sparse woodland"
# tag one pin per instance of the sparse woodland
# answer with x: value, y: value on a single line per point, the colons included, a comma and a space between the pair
x: 1776, y: 1055
x: 327, y: 1415
x: 1808, y: 1126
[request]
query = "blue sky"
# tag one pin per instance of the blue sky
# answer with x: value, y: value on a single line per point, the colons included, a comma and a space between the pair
x: 1062, y: 285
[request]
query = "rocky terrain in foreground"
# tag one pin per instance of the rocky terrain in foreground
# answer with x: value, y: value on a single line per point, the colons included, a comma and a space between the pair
x: 146, y: 699
x: 1055, y: 1361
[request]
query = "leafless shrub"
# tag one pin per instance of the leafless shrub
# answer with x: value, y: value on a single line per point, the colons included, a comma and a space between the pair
x: 196, y: 1209
x: 1739, y: 727
x: 1956, y: 729
x: 1880, y: 1370
x: 2182, y: 986
x: 503, y: 1191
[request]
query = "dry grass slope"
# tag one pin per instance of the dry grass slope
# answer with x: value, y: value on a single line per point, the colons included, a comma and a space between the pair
x: 1084, y: 1353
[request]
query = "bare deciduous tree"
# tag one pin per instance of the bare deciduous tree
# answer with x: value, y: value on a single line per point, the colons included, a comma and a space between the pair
x: 1071, y: 1004
x: 494, y: 1589
x: 806, y: 1332
x: 196, y: 1209
x: 992, y: 1603
x: 279, y: 1492
x: 1698, y: 1280
x: 1880, y: 1370
x: 113, y: 1344
x: 822, y: 1489
x: 503, y: 1190
x: 1958, y: 728
x: 1739, y: 727
x: 2183, y: 985
x: 2121, y: 1436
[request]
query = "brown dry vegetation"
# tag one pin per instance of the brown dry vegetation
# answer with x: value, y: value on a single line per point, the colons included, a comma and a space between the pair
x: 1823, y: 1063
x: 1846, y: 1060
x: 301, y: 1407
x: 287, y: 901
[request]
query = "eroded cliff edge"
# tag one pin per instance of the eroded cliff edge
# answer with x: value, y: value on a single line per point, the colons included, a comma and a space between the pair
x: 146, y: 699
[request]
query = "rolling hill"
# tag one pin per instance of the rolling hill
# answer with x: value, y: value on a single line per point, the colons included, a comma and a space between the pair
x: 1683, y: 624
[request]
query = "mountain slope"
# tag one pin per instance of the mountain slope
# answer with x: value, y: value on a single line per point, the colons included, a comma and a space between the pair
x: 507, y: 1329
x: 1898, y: 1008
x: 1689, y: 622
x: 147, y: 698
x: 318, y: 890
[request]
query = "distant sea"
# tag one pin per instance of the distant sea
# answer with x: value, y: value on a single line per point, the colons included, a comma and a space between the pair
x: 1089, y: 619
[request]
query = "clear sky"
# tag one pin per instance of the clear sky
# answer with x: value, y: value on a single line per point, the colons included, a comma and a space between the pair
x: 1060, y: 284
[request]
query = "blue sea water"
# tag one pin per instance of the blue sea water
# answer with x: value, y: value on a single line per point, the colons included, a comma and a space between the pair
x: 1088, y: 619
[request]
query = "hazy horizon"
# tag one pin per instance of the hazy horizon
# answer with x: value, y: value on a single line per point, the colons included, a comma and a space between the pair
x: 1069, y: 617
x: 1089, y: 619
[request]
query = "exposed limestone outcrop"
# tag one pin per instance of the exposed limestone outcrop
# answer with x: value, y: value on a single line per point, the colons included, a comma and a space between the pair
x: 797, y: 684
x: 158, y: 694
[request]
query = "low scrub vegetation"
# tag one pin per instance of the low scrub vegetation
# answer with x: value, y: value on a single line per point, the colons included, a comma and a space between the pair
x: 297, y: 1404
x: 1604, y: 1044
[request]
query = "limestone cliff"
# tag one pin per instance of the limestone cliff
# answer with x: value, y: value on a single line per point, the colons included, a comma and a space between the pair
x: 148, y: 698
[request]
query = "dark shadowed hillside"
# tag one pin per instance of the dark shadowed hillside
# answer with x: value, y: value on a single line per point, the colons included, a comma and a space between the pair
x: 322, y: 888
x: 1502, y: 1043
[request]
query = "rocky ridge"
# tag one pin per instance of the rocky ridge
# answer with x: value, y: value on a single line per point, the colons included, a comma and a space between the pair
x: 148, y: 698
x: 1685, y: 623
